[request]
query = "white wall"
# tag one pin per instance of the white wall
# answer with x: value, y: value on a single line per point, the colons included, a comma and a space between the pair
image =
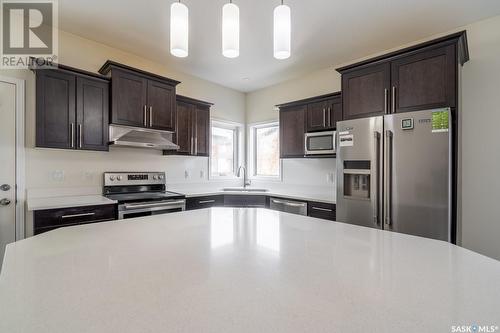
x: 480, y: 133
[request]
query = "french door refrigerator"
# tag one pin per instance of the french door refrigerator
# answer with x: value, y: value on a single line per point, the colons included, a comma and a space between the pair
x: 394, y: 173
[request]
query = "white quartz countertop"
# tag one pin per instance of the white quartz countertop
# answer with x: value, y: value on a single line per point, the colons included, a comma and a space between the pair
x: 68, y: 201
x: 295, y: 195
x: 242, y: 270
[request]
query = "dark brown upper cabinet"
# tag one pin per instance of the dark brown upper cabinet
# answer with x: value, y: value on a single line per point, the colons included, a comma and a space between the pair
x: 141, y: 99
x: 72, y: 109
x: 420, y: 77
x: 365, y: 92
x: 193, y: 127
x: 292, y: 130
x: 314, y: 114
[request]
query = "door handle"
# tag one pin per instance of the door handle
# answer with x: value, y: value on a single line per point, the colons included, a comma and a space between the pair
x: 4, y: 202
x: 145, y: 120
x: 72, y: 134
x: 77, y: 215
x: 393, y: 99
x: 377, y: 177
x: 5, y: 187
x: 386, y: 97
x: 80, y: 135
x: 322, y: 209
x: 150, y: 116
x: 388, y: 178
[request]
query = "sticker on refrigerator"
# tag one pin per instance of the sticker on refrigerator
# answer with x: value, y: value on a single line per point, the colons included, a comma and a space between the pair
x: 440, y: 121
x: 346, y: 140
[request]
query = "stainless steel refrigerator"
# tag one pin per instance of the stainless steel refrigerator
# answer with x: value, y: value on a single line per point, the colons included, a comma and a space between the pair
x: 394, y: 173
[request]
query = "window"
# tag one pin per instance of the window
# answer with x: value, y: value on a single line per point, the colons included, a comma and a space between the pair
x: 264, y: 151
x: 224, y: 149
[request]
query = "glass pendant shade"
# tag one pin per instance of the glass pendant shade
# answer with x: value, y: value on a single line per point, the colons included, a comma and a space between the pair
x: 282, y: 32
x: 230, y: 30
x: 179, y: 30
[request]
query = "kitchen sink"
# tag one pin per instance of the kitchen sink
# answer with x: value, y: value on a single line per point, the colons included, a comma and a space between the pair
x: 242, y: 189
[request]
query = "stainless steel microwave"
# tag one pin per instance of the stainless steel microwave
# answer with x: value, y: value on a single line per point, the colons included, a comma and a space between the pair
x: 320, y: 143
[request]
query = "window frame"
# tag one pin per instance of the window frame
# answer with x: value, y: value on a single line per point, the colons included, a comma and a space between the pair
x: 252, y: 146
x: 237, y: 142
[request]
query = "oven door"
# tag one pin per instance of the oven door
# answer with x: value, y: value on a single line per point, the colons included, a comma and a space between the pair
x: 320, y: 143
x: 131, y: 210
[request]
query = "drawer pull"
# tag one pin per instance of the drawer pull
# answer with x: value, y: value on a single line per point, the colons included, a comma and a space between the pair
x: 206, y: 201
x: 77, y: 215
x: 322, y: 209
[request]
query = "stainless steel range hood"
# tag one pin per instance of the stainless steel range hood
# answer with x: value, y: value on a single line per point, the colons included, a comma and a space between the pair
x: 128, y: 136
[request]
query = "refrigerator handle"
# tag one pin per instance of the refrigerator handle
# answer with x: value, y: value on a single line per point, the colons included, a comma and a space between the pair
x: 388, y: 178
x: 376, y: 151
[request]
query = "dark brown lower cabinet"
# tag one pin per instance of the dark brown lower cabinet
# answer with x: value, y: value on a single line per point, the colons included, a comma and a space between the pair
x: 50, y: 219
x: 321, y: 210
x: 245, y: 201
x: 204, y: 202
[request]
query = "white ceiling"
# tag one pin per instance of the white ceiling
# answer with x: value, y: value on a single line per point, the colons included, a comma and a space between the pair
x: 324, y: 32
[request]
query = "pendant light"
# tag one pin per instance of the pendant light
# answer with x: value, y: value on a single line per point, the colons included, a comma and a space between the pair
x: 230, y: 30
x: 282, y: 31
x: 179, y: 29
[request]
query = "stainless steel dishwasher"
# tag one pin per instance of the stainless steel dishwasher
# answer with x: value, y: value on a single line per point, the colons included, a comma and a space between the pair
x: 289, y: 206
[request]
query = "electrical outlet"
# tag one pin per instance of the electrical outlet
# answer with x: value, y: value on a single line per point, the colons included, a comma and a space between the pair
x: 186, y: 174
x: 202, y: 174
x: 57, y: 175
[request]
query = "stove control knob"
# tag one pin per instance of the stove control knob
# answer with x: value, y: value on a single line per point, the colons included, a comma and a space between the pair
x: 112, y: 178
x: 155, y: 177
x: 119, y: 178
x: 160, y: 177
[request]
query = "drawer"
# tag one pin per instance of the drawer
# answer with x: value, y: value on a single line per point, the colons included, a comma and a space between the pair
x: 237, y: 200
x: 75, y: 215
x: 204, y: 202
x: 321, y: 210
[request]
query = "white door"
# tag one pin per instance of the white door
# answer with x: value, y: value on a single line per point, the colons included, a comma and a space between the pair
x: 8, y: 165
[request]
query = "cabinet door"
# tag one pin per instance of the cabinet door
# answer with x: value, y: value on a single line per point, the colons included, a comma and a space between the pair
x: 161, y: 106
x: 321, y: 210
x: 184, y: 133
x: 292, y: 129
x: 334, y: 112
x: 317, y: 116
x: 204, y: 202
x: 425, y: 80
x: 202, y: 130
x: 55, y: 109
x: 129, y: 99
x: 365, y: 92
x: 92, y: 113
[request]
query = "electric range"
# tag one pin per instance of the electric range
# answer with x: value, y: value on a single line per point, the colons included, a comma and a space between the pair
x: 141, y: 194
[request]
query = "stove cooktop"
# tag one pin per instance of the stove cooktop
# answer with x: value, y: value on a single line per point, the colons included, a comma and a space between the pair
x: 144, y: 196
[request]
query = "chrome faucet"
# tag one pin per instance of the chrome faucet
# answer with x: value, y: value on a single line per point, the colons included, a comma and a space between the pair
x: 246, y: 182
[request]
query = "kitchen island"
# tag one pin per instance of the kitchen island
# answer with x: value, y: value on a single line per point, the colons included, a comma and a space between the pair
x: 242, y: 270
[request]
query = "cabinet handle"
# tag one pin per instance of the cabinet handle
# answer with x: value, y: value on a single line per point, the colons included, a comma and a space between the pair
x: 206, y: 201
x: 192, y: 146
x: 77, y: 215
x: 150, y: 116
x: 329, y: 116
x: 72, y: 134
x: 80, y: 135
x: 196, y: 146
x: 322, y: 209
x: 394, y: 99
x: 145, y: 116
x: 324, y: 117
x: 386, y: 97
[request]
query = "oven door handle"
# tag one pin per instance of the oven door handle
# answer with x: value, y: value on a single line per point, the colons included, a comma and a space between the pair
x: 157, y: 204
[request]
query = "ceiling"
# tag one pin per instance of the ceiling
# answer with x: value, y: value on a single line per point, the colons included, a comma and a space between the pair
x: 324, y: 32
